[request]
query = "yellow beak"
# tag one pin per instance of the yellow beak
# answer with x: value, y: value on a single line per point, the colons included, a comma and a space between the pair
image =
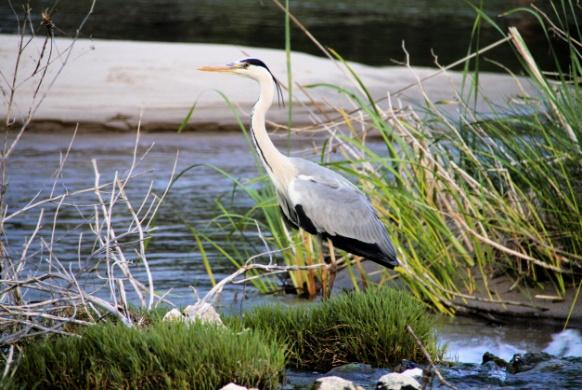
x: 228, y: 68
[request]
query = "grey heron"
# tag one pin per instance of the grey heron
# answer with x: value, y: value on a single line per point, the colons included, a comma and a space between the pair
x: 312, y: 197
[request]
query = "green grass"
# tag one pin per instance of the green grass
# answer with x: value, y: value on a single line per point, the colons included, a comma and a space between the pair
x: 160, y: 356
x: 365, y: 327
x: 368, y: 327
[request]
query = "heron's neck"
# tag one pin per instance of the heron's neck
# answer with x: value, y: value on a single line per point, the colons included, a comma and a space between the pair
x: 277, y: 164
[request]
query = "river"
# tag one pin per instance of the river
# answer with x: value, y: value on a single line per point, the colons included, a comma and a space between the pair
x: 175, y: 260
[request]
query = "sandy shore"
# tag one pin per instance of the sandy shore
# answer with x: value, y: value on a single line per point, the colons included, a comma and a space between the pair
x: 109, y: 84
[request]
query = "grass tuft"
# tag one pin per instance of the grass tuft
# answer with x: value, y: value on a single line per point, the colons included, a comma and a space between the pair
x: 368, y: 327
x: 163, y: 355
x: 253, y: 350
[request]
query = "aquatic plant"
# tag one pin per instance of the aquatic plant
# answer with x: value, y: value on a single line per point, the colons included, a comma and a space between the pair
x: 367, y: 327
x: 161, y: 355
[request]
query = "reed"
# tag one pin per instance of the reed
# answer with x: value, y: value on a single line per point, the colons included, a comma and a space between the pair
x: 464, y: 200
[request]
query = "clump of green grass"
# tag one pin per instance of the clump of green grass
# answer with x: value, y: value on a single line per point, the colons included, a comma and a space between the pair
x: 163, y: 355
x: 253, y: 350
x: 367, y: 327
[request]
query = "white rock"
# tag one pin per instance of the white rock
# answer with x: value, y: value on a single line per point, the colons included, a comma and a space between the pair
x: 204, y: 312
x: 333, y: 383
x: 233, y: 386
x: 415, y: 373
x: 173, y: 315
x: 395, y: 381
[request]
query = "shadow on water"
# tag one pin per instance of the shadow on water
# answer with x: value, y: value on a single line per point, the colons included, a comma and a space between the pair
x: 370, y: 32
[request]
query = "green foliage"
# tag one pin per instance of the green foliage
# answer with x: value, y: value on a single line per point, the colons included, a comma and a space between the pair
x: 162, y: 355
x: 486, y: 197
x: 365, y: 327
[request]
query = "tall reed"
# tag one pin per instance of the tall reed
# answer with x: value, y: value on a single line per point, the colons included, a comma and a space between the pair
x: 471, y: 199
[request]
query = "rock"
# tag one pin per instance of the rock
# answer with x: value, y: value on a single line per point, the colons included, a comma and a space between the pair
x: 405, y: 365
x: 334, y: 383
x: 351, y: 368
x: 204, y: 312
x: 357, y: 372
x: 200, y: 311
x: 233, y: 386
x: 489, y: 357
x: 395, y: 381
x: 173, y: 315
x: 527, y: 361
x: 415, y: 373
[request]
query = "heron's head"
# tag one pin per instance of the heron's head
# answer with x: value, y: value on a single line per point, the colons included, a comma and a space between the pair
x: 249, y: 67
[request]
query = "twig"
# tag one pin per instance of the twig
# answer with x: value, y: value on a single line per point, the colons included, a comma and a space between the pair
x: 430, y: 361
x: 8, y: 362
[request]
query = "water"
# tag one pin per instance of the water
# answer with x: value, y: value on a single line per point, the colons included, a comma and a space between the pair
x: 467, y: 341
x: 175, y: 260
x: 369, y: 31
x: 173, y: 254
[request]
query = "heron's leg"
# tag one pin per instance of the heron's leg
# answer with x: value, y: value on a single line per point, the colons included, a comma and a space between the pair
x: 325, y: 290
x: 333, y: 268
x: 309, y: 283
x: 361, y: 271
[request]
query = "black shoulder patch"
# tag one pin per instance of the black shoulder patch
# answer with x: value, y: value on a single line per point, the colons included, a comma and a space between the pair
x: 289, y: 223
x: 304, y: 221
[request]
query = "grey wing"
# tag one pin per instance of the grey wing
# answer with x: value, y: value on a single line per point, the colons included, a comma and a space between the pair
x: 337, y: 208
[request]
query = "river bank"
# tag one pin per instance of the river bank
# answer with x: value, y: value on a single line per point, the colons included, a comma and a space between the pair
x: 113, y: 85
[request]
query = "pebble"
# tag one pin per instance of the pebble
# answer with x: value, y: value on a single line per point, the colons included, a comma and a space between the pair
x: 395, y: 381
x: 234, y: 386
x: 200, y: 311
x: 334, y: 383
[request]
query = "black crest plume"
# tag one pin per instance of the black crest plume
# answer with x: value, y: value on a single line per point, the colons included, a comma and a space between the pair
x: 257, y: 62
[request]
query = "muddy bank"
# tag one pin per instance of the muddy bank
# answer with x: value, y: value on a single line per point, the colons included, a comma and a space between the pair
x: 506, y: 302
x: 110, y: 85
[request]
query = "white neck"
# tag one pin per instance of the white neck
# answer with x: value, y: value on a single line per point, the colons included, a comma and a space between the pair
x: 277, y: 165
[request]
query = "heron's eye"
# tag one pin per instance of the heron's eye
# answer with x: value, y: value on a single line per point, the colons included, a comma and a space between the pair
x: 246, y: 65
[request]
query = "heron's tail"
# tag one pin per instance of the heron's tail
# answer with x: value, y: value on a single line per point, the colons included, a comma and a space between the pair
x: 366, y: 250
x: 389, y: 263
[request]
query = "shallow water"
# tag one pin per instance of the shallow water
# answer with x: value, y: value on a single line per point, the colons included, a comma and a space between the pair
x: 172, y: 254
x: 467, y: 341
x: 176, y: 263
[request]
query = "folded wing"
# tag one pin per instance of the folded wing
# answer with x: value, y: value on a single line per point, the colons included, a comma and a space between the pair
x: 335, y: 209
